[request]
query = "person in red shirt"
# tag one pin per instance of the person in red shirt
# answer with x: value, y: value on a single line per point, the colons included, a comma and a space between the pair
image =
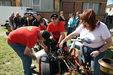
x: 23, y: 39
x: 56, y: 29
x: 42, y: 26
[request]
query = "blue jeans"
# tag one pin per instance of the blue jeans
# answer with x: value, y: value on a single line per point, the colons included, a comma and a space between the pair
x: 69, y: 30
x: 26, y: 60
x: 92, y: 61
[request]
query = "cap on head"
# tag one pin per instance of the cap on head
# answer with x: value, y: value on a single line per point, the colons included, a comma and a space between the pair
x: 38, y: 14
x: 54, y: 15
x: 45, y: 34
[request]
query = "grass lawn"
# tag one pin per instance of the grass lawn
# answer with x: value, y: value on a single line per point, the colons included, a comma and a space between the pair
x: 10, y: 63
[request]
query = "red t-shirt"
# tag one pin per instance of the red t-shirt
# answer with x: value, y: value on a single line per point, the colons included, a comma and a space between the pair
x: 56, y: 29
x: 42, y: 28
x: 24, y: 36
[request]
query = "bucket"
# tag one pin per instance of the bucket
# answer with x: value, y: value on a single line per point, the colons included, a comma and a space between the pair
x: 39, y: 54
x: 106, y: 66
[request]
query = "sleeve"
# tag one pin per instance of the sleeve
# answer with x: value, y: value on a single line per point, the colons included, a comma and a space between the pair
x: 105, y: 32
x: 10, y: 21
x: 78, y: 30
x: 48, y: 28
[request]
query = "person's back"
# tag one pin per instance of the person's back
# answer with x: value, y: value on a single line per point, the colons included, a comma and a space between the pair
x: 22, y: 35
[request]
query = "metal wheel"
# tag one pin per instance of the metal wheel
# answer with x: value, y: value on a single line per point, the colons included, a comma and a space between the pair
x: 44, y: 66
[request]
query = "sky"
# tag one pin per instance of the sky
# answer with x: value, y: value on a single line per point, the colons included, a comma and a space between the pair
x: 109, y: 2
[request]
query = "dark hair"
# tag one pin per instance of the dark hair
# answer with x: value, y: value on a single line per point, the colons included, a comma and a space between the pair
x: 45, y: 34
x: 25, y: 13
x: 72, y: 14
x: 89, y: 16
x: 42, y: 20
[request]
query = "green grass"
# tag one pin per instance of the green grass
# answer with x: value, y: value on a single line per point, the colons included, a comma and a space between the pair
x: 3, y: 30
x: 10, y: 63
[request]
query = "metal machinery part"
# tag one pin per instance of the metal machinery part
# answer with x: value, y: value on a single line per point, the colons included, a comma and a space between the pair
x: 106, y: 66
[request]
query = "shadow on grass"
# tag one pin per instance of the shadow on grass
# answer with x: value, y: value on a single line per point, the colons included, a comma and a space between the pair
x: 109, y: 53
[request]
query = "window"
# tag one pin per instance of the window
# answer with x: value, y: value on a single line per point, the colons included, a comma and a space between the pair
x: 5, y: 3
x: 0, y: 3
x: 43, y: 5
x: 94, y: 6
x: 37, y: 5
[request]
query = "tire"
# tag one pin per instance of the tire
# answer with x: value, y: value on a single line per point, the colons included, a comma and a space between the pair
x: 44, y: 66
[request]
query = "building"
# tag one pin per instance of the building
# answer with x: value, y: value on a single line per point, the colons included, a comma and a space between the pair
x: 47, y: 7
x: 109, y: 10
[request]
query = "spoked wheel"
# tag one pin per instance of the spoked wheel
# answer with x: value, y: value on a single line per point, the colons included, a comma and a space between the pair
x: 44, y: 66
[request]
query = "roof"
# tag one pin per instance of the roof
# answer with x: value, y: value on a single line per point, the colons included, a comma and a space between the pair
x: 109, y: 6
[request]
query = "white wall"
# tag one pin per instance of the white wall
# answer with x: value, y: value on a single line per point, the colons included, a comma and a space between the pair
x: 5, y: 12
x: 110, y: 12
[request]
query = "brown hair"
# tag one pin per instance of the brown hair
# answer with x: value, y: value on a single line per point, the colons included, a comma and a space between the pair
x: 89, y: 16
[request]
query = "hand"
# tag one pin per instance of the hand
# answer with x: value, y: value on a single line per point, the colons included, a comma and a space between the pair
x: 57, y: 45
x: 34, y: 57
x: 61, y: 44
x: 94, y: 53
x: 53, y: 40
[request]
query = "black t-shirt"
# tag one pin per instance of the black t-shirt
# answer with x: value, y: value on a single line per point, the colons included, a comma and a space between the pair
x: 36, y: 23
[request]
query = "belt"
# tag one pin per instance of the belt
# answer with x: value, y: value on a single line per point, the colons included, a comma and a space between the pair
x: 89, y: 48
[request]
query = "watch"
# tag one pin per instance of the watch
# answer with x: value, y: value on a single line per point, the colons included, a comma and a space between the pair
x: 99, y: 51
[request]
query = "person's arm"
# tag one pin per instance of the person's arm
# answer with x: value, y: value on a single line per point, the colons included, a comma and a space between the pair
x: 27, y: 52
x: 61, y: 37
x: 10, y: 21
x: 104, y: 48
x: 51, y: 36
x: 44, y: 46
x: 73, y: 34
x: 42, y: 42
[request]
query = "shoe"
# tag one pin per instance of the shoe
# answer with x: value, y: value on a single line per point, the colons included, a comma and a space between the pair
x: 33, y: 66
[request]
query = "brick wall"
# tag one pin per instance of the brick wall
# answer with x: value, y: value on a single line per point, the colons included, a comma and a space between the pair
x: 78, y: 6
x: 47, y: 15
